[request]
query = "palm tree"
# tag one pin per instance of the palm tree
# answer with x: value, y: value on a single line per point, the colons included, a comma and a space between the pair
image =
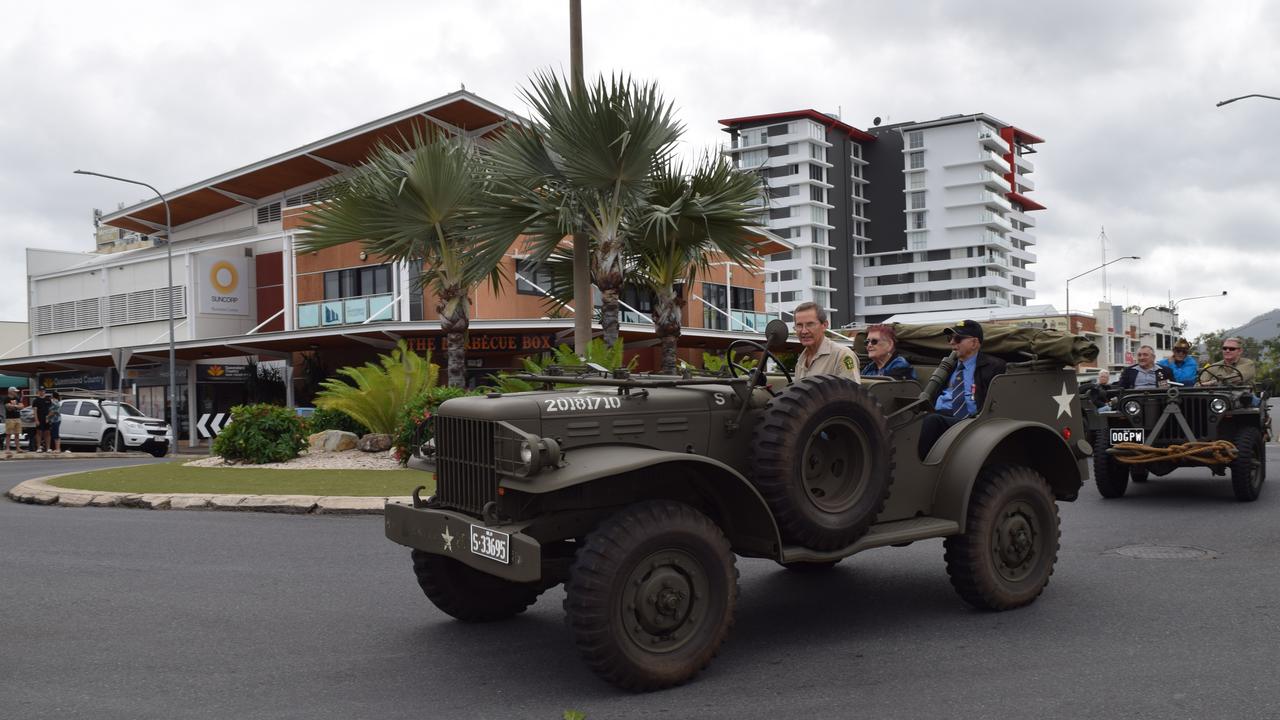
x: 418, y: 204
x: 687, y: 218
x: 584, y: 163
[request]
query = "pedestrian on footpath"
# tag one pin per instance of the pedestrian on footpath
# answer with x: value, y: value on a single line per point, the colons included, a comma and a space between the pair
x: 55, y: 421
x: 12, y: 422
x: 40, y: 403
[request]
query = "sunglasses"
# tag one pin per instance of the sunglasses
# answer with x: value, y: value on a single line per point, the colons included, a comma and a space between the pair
x: 957, y: 339
x: 873, y: 341
x: 1228, y: 347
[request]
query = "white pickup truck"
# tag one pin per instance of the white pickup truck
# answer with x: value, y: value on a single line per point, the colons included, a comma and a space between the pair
x: 94, y: 423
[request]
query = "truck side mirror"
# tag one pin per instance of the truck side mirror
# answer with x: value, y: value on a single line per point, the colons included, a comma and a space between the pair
x: 775, y: 334
x: 94, y: 413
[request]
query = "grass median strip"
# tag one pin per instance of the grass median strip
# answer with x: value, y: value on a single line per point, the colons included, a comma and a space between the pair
x: 174, y: 478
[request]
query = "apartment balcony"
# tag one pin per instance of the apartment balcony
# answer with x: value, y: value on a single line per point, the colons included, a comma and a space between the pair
x: 1025, y: 184
x: 960, y: 177
x: 1023, y: 164
x: 993, y: 142
x: 347, y: 311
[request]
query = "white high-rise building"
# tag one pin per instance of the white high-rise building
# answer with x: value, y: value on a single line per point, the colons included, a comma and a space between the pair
x: 912, y: 217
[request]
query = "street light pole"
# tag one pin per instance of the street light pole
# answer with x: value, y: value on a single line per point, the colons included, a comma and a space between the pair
x: 1175, y: 304
x: 168, y: 243
x: 1086, y: 272
x: 1228, y: 101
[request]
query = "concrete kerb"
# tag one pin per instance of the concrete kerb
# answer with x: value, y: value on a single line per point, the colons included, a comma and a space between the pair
x: 39, y: 491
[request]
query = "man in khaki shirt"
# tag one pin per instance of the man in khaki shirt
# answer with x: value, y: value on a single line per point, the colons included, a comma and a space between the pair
x: 1235, y: 369
x: 821, y: 356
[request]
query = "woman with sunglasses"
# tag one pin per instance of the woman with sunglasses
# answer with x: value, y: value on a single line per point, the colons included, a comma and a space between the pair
x: 882, y: 348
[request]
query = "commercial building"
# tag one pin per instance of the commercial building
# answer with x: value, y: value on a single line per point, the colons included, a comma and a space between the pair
x: 242, y: 294
x: 910, y: 217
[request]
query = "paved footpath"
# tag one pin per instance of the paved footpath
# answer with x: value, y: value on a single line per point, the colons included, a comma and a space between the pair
x: 45, y: 490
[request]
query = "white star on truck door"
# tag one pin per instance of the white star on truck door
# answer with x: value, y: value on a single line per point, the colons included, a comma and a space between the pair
x: 1064, y: 401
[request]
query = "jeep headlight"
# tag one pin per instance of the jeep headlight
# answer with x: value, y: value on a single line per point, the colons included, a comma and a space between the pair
x: 1218, y: 405
x: 522, y: 454
x: 526, y: 452
x: 1133, y: 408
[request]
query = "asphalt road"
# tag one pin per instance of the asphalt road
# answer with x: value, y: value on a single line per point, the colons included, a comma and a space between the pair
x: 117, y: 613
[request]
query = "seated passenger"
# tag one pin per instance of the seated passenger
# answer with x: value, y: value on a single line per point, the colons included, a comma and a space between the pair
x: 882, y: 348
x: 967, y: 387
x: 1233, y: 369
x: 1146, y: 374
x: 1185, y: 369
x: 1097, y: 393
x: 821, y: 356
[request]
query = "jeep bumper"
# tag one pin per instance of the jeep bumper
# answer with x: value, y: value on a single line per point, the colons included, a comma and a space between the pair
x: 448, y: 533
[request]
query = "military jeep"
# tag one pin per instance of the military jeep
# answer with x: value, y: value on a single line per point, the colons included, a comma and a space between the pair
x: 637, y: 492
x: 1155, y: 431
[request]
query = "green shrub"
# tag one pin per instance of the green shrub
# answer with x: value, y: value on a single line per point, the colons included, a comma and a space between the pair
x: 715, y: 363
x: 597, y: 352
x: 418, y: 411
x: 375, y: 394
x: 260, y: 434
x: 329, y: 419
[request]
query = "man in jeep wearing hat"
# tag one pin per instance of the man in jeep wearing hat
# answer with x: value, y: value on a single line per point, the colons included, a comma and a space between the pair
x: 1185, y: 369
x: 966, y: 388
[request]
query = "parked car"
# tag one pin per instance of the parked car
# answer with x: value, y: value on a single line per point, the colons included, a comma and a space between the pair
x: 93, y: 423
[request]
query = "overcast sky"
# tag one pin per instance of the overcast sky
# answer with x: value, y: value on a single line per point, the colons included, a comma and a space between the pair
x: 1122, y: 92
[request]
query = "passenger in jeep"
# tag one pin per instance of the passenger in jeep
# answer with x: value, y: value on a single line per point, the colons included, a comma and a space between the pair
x: 882, y: 349
x: 1146, y: 374
x: 966, y: 389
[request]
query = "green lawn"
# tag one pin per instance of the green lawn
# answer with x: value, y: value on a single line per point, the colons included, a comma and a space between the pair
x: 175, y: 478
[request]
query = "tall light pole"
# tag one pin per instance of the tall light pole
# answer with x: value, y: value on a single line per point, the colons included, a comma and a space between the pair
x: 1228, y: 101
x: 1086, y: 272
x: 168, y: 243
x: 1175, y: 304
x: 581, y: 244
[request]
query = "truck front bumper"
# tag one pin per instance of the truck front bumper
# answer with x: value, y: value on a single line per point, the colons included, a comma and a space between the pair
x: 448, y: 533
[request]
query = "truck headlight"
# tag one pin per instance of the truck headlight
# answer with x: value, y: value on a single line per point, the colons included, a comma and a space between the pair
x: 526, y: 452
x: 1133, y: 408
x: 523, y: 454
x: 1218, y: 405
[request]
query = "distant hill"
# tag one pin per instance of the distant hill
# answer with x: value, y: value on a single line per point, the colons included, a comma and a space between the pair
x: 1263, y: 327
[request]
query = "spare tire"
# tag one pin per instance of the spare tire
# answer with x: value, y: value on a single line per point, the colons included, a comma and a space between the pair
x: 822, y: 457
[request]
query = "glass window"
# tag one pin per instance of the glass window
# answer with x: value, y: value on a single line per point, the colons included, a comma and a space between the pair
x: 915, y: 139
x: 915, y: 160
x: 86, y: 408
x: 528, y: 272
x: 69, y: 407
x: 782, y: 129
x: 915, y: 200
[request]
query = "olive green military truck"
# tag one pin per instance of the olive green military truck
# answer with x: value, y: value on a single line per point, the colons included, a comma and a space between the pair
x: 638, y: 491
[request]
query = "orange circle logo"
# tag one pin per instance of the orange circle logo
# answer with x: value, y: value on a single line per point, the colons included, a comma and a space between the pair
x: 224, y: 276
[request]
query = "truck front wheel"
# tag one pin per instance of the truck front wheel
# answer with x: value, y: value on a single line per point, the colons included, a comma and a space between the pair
x: 468, y: 594
x: 1006, y: 554
x: 651, y: 595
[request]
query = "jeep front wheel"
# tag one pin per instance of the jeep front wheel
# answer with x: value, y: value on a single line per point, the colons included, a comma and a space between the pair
x: 468, y: 594
x: 1248, y: 470
x: 651, y: 595
x: 822, y: 458
x: 1110, y: 475
x: 1006, y: 554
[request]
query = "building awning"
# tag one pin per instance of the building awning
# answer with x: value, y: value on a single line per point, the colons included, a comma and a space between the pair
x: 459, y: 112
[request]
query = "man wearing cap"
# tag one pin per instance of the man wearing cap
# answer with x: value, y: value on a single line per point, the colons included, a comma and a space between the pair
x: 821, y: 356
x: 1185, y: 369
x: 1233, y: 362
x: 966, y: 388
x: 12, y: 420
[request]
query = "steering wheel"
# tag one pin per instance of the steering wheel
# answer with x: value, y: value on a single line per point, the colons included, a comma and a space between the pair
x: 759, y: 369
x: 1214, y: 380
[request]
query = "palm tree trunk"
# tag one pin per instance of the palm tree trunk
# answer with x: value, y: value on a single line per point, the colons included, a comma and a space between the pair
x: 609, y: 314
x: 454, y: 322
x: 666, y: 320
x: 610, y: 272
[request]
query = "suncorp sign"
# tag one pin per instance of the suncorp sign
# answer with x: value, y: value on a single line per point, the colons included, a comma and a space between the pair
x: 223, y: 284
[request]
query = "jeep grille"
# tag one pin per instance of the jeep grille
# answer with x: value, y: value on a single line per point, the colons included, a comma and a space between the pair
x: 466, y: 478
x: 1196, y: 412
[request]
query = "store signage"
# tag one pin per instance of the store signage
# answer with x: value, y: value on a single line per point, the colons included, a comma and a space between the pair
x: 515, y: 343
x: 222, y: 284
x: 222, y: 373
x: 73, y: 381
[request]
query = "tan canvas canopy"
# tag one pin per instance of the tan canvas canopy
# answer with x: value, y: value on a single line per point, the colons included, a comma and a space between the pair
x: 1010, y: 342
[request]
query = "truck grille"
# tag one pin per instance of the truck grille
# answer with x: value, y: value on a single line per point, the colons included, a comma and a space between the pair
x: 466, y: 478
x: 1196, y: 412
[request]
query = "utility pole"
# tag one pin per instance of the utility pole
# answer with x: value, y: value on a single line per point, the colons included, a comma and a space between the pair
x: 581, y: 245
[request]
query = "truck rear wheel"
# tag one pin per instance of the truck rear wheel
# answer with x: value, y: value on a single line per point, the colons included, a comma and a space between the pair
x: 1248, y: 470
x: 468, y: 594
x: 1110, y: 475
x: 1006, y: 554
x: 823, y: 460
x: 651, y: 595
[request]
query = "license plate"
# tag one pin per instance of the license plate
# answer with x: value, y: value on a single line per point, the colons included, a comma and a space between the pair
x: 1127, y: 435
x: 491, y: 544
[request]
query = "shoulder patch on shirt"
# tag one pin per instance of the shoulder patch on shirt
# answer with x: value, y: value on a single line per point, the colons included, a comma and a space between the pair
x: 848, y: 362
